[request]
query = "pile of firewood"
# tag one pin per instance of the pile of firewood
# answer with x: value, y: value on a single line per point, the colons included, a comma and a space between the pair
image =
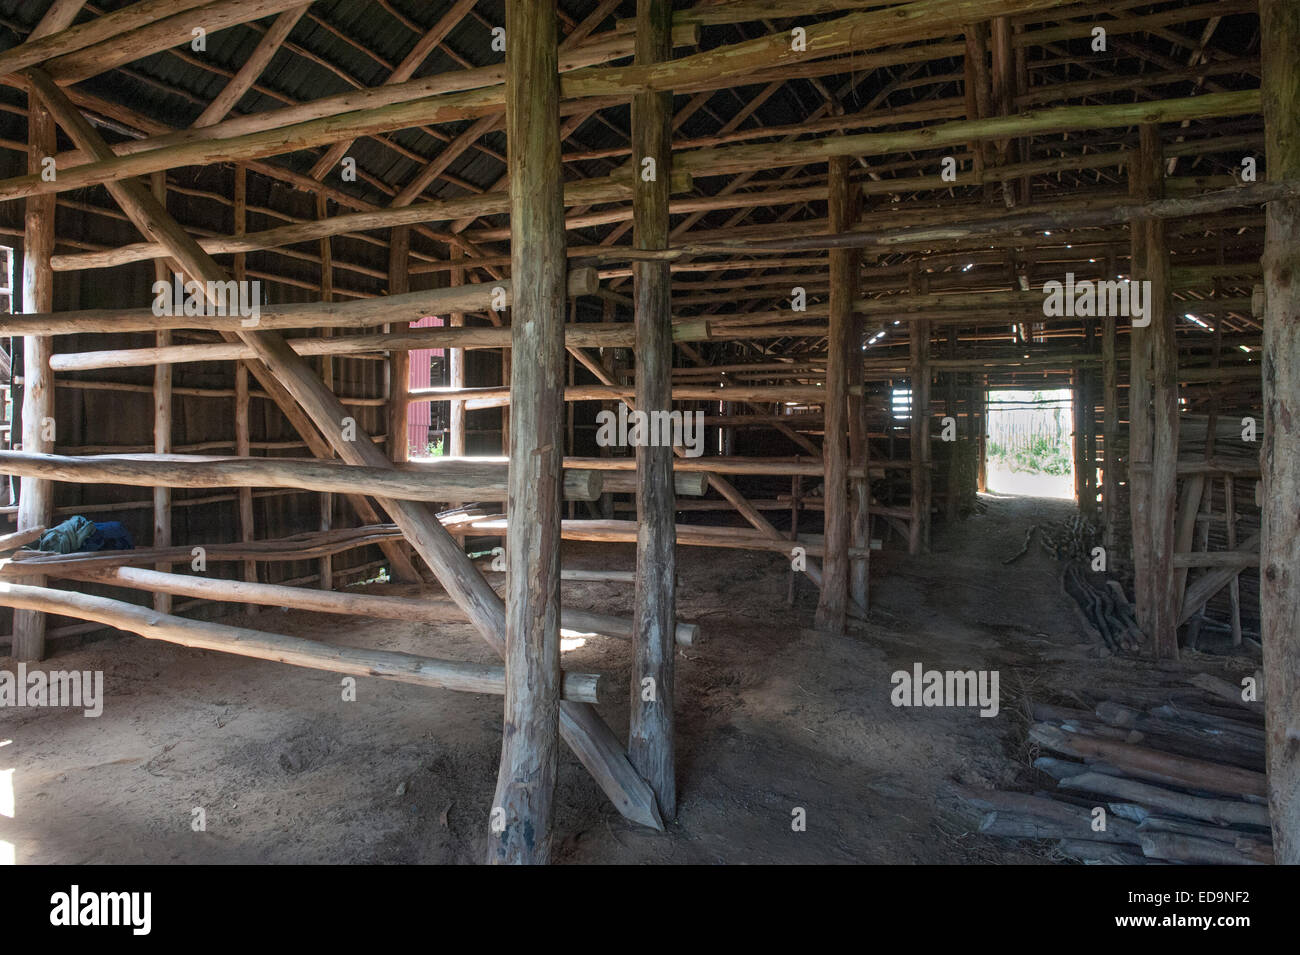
x: 1146, y: 775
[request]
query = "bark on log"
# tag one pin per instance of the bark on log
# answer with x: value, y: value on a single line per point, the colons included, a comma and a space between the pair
x: 1019, y: 816
x: 1153, y: 765
x: 1188, y: 849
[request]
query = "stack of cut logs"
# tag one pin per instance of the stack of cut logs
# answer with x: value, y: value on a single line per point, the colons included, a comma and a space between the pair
x: 1145, y: 776
x: 1103, y: 607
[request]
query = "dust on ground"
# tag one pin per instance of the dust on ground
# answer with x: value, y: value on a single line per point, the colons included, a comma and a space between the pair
x: 772, y: 717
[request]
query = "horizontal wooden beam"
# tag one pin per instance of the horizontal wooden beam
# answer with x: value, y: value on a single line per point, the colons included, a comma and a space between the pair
x: 478, y: 398
x: 961, y: 227
x: 586, y: 192
x: 421, y: 609
x: 205, y: 635
x: 395, y: 309
x: 458, y: 479
x: 696, y: 535
x: 723, y: 161
x: 578, y: 335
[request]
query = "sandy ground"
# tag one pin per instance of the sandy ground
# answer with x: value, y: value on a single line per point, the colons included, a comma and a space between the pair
x: 772, y: 717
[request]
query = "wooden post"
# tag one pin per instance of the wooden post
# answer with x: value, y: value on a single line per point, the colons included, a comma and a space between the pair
x: 952, y: 500
x: 859, y: 445
x: 982, y: 397
x: 327, y: 377
x: 1109, y: 427
x: 919, y: 528
x: 1089, y: 388
x: 456, y: 371
x: 1154, y: 425
x: 1143, y: 185
x: 1234, y: 585
x: 525, y: 792
x: 399, y: 360
x: 1279, y: 558
x: 36, y: 497
x: 832, y: 607
x: 243, y: 443
x: 650, y: 727
x: 162, y: 418
x: 1077, y: 399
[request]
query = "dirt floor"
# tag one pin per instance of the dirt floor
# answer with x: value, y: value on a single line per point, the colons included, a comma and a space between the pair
x: 772, y: 716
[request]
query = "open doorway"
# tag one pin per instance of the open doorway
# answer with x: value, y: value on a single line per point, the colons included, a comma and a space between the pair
x: 1029, y: 449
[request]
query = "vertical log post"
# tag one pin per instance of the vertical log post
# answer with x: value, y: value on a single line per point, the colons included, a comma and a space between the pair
x: 1109, y: 428
x: 919, y: 529
x: 832, y: 607
x: 952, y: 499
x: 326, y: 376
x: 162, y: 419
x: 399, y: 361
x: 1143, y: 169
x: 982, y: 400
x: 650, y: 729
x: 243, y: 443
x: 1234, y: 585
x: 456, y: 372
x: 1078, y: 435
x: 1155, y: 364
x: 1279, y: 558
x: 525, y: 790
x: 36, y: 497
x: 859, y: 455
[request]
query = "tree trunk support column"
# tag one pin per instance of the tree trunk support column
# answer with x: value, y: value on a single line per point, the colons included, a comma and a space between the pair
x: 1279, y: 558
x: 832, y: 608
x: 1153, y: 416
x: 36, y: 497
x: 919, y: 530
x: 524, y: 804
x: 650, y: 731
